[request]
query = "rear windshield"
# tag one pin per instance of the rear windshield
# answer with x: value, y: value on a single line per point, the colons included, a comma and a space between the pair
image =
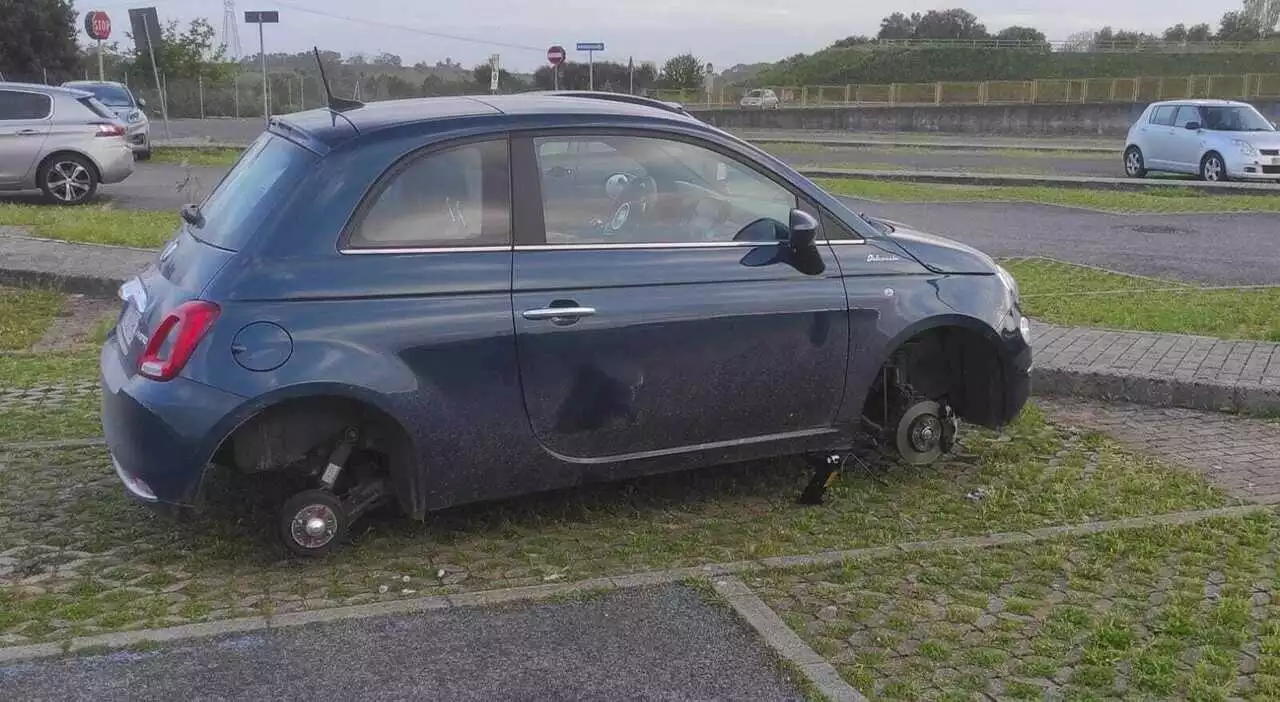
x: 267, y: 170
x: 111, y: 95
x: 97, y: 108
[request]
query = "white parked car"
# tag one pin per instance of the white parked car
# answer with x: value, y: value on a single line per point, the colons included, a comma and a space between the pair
x: 759, y: 99
x: 127, y: 106
x: 1216, y: 140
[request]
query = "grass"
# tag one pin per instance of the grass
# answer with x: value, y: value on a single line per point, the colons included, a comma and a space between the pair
x: 25, y: 315
x: 890, y: 149
x: 1166, y: 200
x: 1050, y: 293
x: 225, y: 563
x: 1175, y: 612
x: 94, y: 224
x: 221, y: 157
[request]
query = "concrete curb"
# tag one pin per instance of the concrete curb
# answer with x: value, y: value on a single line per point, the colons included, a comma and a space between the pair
x: 1157, y: 390
x: 90, y: 286
x: 935, y: 145
x: 128, y: 639
x: 785, y: 642
x: 1081, y: 182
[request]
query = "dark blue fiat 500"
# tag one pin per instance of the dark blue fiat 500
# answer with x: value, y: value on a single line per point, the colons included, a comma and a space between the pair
x: 434, y: 302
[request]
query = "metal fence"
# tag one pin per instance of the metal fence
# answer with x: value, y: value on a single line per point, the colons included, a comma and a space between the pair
x: 1249, y: 86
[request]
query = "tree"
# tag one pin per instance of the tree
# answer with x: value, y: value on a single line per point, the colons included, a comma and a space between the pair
x: 683, y: 72
x: 507, y: 82
x: 1266, y: 13
x: 38, y: 36
x: 899, y: 26
x: 1238, y: 26
x: 955, y: 23
x: 187, y: 54
x: 856, y: 40
x: 1177, y: 33
x: 608, y: 74
x: 1200, y: 32
x: 1081, y: 41
x: 386, y: 59
x: 1019, y: 33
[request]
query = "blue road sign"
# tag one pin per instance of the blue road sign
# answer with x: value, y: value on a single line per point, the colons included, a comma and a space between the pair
x: 590, y: 46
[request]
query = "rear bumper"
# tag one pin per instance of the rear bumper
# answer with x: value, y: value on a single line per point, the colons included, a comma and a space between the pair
x: 160, y: 435
x: 114, y: 158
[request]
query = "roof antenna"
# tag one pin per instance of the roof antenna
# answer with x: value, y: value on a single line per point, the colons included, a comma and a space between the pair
x: 336, y: 104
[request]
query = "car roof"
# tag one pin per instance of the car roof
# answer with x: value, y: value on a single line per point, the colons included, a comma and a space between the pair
x: 73, y: 83
x: 331, y: 127
x: 1201, y: 102
x: 46, y: 89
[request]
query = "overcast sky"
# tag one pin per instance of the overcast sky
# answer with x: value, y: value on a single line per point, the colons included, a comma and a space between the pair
x: 724, y: 32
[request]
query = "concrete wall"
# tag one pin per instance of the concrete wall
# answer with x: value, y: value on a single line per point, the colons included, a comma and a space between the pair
x: 1111, y: 120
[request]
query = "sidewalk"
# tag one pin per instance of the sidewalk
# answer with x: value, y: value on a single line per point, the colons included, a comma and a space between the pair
x: 90, y: 269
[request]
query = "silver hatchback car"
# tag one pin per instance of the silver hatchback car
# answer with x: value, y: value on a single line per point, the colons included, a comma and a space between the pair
x: 1216, y: 140
x: 61, y: 141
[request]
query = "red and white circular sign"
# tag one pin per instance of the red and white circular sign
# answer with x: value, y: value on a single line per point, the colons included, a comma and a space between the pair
x: 97, y: 25
x: 555, y: 55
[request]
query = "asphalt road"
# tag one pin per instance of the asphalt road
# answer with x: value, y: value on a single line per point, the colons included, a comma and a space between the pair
x: 1224, y: 249
x: 655, y: 644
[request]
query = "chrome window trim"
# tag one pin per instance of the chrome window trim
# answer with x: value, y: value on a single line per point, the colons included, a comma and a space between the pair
x: 577, y: 247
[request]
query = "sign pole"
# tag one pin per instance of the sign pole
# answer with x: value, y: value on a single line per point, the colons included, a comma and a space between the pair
x: 555, y: 76
x: 266, y: 100
x: 101, y: 73
x: 155, y: 71
x: 591, y: 70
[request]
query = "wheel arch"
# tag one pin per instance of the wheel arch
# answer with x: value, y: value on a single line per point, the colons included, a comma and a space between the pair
x: 93, y: 163
x: 980, y: 346
x: 290, y: 419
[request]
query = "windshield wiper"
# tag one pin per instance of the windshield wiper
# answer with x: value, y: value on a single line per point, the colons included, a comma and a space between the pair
x: 191, y: 215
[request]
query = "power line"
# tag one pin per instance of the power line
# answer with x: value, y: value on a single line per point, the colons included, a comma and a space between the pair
x: 406, y: 28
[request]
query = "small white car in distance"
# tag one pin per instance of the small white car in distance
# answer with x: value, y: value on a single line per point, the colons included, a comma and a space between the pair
x: 1216, y: 140
x: 759, y: 99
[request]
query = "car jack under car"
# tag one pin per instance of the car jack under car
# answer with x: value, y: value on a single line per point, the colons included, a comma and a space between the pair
x: 916, y: 429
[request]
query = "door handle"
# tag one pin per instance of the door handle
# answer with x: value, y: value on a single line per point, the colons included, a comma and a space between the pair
x: 27, y: 132
x: 558, y: 315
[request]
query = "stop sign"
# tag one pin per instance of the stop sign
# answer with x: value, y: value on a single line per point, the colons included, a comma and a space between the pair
x: 555, y: 55
x: 97, y: 25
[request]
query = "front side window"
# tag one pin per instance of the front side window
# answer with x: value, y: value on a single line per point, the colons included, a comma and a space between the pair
x: 16, y: 104
x: 1235, y: 118
x: 646, y: 190
x: 456, y: 197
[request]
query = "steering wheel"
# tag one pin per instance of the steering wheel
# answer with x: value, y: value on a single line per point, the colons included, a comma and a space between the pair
x: 632, y: 203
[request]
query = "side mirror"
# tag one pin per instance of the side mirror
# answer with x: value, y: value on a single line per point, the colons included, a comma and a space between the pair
x: 1193, y: 126
x: 142, y: 102
x: 804, y: 230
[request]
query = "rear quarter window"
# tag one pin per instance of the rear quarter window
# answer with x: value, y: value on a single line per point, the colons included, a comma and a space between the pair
x: 18, y: 104
x: 266, y: 172
x: 1163, y: 115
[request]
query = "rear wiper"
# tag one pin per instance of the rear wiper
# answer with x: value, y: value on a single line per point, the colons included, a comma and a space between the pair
x: 191, y: 215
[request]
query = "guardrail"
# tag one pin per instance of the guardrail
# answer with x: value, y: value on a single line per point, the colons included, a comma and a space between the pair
x: 1248, y: 86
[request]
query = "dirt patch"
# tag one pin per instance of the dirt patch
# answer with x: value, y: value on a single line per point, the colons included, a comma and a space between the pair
x: 80, y: 318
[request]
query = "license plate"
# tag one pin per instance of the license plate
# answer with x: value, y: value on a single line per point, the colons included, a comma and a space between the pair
x: 128, y: 326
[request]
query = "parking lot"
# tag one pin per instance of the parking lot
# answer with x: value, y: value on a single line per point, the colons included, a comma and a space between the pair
x: 1118, y: 539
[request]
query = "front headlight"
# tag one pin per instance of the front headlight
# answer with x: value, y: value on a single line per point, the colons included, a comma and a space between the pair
x: 1246, y: 149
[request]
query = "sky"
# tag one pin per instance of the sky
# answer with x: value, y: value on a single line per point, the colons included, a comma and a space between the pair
x: 723, y: 32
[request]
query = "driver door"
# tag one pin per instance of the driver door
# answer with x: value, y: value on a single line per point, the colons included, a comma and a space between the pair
x: 687, y: 328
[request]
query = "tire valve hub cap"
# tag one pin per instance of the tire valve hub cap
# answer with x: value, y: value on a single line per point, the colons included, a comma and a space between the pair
x: 314, y: 526
x: 926, y: 433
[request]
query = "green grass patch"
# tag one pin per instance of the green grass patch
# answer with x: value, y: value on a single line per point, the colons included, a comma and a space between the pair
x: 1102, y: 625
x: 27, y: 370
x: 1157, y: 200
x: 223, y: 157
x: 94, y: 224
x: 226, y: 561
x: 1051, y: 290
x: 25, y: 315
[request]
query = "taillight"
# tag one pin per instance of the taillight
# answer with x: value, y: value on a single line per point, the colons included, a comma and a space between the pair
x: 110, y: 130
x: 175, y: 339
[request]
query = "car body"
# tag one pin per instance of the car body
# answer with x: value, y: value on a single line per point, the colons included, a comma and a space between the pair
x: 61, y: 141
x: 124, y: 104
x: 1216, y: 140
x: 759, y: 99
x: 504, y: 294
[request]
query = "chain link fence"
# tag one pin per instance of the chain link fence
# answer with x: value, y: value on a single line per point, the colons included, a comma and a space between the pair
x: 1249, y: 86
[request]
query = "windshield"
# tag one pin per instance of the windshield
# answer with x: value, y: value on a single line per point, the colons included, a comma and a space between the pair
x: 109, y: 95
x: 1235, y: 119
x: 270, y: 168
x: 755, y: 93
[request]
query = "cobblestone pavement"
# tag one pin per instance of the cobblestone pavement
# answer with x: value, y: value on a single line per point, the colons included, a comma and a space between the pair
x: 1185, y: 612
x: 1239, y: 454
x: 46, y: 395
